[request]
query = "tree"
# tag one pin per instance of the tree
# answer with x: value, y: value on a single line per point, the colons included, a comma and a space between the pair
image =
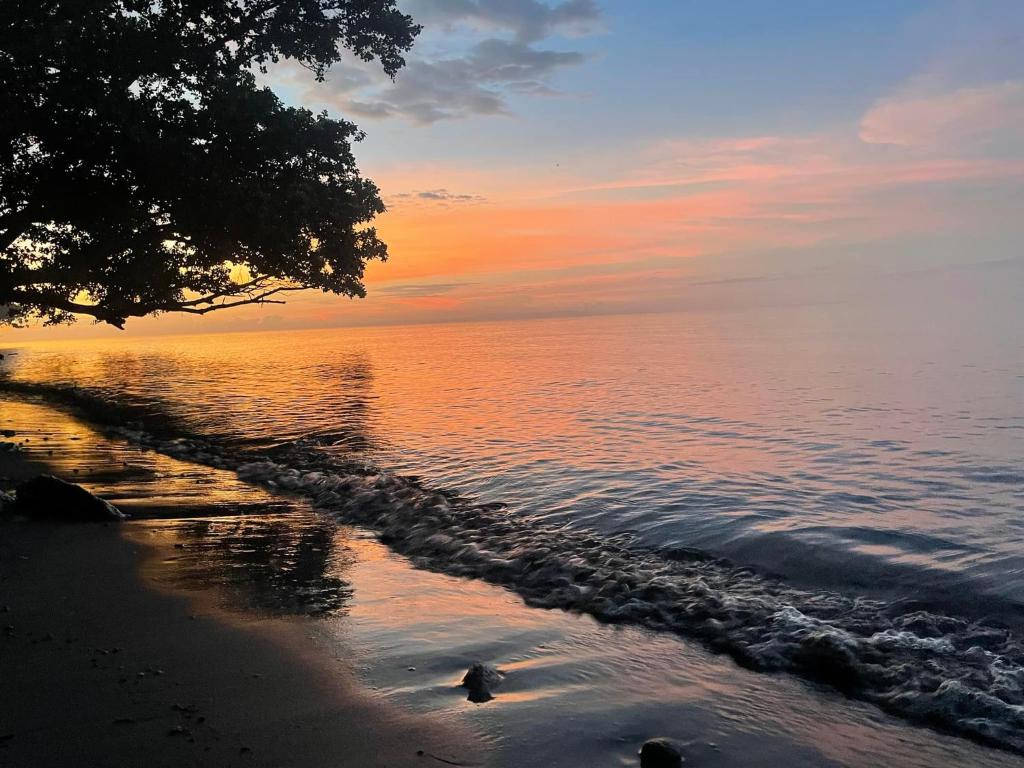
x: 143, y: 169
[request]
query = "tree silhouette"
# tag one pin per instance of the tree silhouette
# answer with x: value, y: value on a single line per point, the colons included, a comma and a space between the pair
x: 143, y: 168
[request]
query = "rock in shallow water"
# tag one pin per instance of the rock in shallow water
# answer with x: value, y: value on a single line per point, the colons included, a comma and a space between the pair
x: 46, y: 497
x: 660, y: 753
x: 480, y: 681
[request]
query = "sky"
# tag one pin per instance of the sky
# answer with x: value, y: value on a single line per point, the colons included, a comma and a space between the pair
x: 576, y: 157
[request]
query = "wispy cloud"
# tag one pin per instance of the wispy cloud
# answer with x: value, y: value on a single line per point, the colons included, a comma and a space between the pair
x: 502, y: 56
x: 528, y: 20
x: 986, y: 113
x: 440, y: 197
x: 408, y: 290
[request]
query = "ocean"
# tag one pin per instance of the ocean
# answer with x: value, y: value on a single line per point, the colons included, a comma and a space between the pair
x: 821, y: 490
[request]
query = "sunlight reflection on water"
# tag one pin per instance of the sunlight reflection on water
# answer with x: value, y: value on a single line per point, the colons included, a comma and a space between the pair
x: 756, y: 437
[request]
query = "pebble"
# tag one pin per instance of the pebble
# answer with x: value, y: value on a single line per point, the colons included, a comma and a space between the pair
x: 660, y: 753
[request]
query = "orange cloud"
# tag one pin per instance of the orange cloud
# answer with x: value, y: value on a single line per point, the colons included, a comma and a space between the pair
x: 625, y: 230
x: 711, y: 196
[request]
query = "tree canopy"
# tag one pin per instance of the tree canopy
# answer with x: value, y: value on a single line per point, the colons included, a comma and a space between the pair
x: 144, y: 169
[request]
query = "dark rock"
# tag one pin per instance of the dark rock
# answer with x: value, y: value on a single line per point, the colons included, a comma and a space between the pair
x: 49, y: 498
x: 480, y: 681
x: 660, y: 753
x: 6, y: 503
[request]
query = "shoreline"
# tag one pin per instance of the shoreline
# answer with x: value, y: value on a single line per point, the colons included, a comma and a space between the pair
x: 107, y: 664
x: 105, y: 670
x: 359, y: 644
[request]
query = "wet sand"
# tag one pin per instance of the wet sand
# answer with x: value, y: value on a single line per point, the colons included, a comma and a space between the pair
x: 100, y: 667
x: 100, y: 670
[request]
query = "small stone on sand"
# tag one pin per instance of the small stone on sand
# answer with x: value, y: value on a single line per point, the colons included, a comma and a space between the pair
x: 480, y: 681
x: 660, y: 753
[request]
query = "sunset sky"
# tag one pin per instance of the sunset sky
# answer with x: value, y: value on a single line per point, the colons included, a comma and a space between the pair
x: 588, y: 157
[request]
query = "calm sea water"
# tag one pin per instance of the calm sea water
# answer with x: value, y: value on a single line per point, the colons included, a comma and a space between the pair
x: 850, y: 453
x: 819, y: 443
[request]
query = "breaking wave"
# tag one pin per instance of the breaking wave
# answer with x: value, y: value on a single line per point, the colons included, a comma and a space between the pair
x: 964, y: 676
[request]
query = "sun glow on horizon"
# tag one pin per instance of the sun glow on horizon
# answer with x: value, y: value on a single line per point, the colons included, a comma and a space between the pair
x: 611, y: 185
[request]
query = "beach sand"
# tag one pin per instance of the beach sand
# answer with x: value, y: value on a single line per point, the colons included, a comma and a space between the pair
x: 101, y: 670
x: 102, y: 667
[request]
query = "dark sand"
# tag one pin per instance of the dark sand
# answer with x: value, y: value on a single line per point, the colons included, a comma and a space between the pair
x: 100, y: 669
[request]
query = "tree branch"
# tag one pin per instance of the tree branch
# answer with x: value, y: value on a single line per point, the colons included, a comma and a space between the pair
x: 260, y: 298
x: 116, y: 316
x: 231, y: 290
